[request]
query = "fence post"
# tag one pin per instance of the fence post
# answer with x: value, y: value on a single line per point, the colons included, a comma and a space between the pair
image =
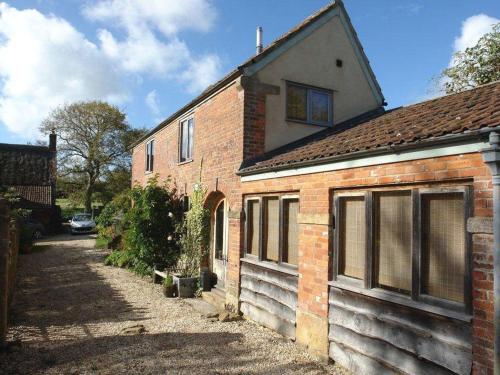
x: 4, y: 271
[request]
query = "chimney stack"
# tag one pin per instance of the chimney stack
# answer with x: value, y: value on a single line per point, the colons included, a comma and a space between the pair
x: 52, y: 141
x: 259, y: 40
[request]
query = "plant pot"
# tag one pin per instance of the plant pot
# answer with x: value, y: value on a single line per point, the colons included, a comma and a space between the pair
x: 186, y: 286
x: 169, y: 291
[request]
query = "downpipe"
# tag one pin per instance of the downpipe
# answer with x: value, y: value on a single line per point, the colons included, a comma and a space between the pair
x: 491, y: 157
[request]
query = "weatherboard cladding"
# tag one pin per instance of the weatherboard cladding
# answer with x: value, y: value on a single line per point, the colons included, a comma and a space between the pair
x: 460, y: 113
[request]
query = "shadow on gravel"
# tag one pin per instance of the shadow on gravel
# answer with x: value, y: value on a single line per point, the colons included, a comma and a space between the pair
x: 57, y: 288
x: 163, y: 353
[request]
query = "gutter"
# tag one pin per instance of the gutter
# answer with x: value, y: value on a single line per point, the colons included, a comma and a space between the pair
x: 444, y: 140
x: 491, y: 157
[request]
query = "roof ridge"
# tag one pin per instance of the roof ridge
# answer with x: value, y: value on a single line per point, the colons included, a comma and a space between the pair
x: 448, y: 95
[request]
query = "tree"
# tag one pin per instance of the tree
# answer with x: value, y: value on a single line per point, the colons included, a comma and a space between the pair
x: 476, y: 65
x: 94, y: 140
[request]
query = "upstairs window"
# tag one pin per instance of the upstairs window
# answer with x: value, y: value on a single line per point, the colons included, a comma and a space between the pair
x: 186, y: 140
x: 149, y: 156
x: 309, y: 105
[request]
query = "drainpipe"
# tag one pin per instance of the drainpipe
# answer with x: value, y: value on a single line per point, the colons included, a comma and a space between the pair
x: 491, y: 157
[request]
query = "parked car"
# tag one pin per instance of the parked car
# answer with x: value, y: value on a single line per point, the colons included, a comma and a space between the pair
x: 82, y: 223
x: 36, y: 228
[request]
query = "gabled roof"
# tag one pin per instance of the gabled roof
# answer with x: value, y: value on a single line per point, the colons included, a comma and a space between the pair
x: 266, y: 53
x: 34, y: 196
x: 464, y: 113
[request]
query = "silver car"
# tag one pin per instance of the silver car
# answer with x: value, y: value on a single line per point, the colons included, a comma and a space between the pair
x: 82, y: 223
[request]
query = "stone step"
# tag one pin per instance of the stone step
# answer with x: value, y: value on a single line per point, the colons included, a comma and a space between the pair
x: 216, y: 297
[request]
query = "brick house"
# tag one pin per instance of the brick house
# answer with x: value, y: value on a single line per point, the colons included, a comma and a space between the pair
x: 366, y: 235
x: 31, y: 171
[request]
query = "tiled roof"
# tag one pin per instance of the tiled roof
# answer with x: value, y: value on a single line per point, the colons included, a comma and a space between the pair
x: 34, y: 195
x: 464, y: 112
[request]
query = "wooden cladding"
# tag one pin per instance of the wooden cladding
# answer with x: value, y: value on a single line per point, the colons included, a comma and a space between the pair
x: 271, y: 229
x: 411, y: 243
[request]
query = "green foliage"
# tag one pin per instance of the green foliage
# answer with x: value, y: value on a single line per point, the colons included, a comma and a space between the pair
x: 168, y: 281
x: 153, y: 222
x: 195, y: 233
x: 118, y: 206
x: 119, y: 259
x: 475, y: 66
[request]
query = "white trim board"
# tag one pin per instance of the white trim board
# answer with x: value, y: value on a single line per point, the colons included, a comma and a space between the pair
x: 396, y: 157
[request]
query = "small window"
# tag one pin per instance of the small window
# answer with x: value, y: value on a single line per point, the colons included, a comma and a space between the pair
x: 352, y: 237
x: 443, y: 246
x: 272, y: 229
x: 309, y: 105
x: 149, y: 156
x: 290, y: 231
x: 270, y: 250
x: 186, y: 140
x: 392, y: 240
x: 253, y: 227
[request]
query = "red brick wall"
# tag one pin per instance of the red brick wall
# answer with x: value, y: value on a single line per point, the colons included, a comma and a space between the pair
x: 315, y: 258
x: 218, y: 138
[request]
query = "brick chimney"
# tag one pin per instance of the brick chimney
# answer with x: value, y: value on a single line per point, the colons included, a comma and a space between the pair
x: 53, y: 164
x: 53, y: 141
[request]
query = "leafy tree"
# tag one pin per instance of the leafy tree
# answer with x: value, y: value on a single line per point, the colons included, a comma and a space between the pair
x: 94, y: 140
x: 475, y: 66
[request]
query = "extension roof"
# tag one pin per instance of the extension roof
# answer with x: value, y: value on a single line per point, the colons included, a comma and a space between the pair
x: 467, y: 112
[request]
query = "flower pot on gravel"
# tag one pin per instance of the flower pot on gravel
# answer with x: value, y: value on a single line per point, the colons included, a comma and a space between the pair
x: 169, y: 291
x: 186, y: 286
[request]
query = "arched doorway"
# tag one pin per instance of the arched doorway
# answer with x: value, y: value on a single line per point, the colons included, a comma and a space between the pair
x: 219, y: 239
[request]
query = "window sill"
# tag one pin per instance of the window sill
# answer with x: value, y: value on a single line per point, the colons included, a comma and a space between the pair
x: 148, y: 172
x: 271, y: 266
x: 309, y: 123
x: 185, y: 162
x: 402, y: 300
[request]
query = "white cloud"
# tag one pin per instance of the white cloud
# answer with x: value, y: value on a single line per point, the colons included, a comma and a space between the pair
x: 473, y: 28
x: 45, y: 62
x: 152, y: 102
x: 151, y: 44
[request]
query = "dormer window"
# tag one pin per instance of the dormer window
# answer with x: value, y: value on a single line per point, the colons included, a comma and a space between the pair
x: 149, y: 156
x: 310, y: 105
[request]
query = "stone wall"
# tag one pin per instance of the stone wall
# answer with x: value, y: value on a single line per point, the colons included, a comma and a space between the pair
x: 9, y: 249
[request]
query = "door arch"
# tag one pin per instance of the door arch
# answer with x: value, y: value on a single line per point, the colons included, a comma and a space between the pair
x: 219, y: 240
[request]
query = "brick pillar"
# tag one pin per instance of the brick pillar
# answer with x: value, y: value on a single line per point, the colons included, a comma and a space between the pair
x: 4, y: 271
x: 482, y: 293
x: 233, y: 265
x: 312, y: 310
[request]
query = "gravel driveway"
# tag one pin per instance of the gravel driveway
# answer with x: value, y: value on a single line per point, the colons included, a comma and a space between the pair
x: 70, y: 312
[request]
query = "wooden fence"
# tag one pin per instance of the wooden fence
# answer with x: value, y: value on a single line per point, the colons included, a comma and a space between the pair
x: 9, y: 250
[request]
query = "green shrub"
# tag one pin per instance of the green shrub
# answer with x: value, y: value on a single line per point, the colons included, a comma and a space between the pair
x: 152, y: 226
x: 119, y: 258
x: 168, y: 281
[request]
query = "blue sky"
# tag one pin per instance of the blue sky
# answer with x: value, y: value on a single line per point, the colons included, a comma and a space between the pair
x: 151, y: 57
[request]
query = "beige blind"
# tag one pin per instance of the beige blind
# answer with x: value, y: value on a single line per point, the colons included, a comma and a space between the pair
x: 392, y: 240
x: 443, y: 257
x: 253, y: 228
x: 352, y: 233
x: 290, y: 231
x: 271, y: 229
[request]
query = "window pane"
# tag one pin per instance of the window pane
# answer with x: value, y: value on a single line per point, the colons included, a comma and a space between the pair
x: 443, y: 246
x: 184, y: 141
x: 253, y: 228
x: 352, y: 231
x: 271, y: 229
x: 190, y: 138
x: 290, y: 231
x: 320, y: 103
x: 219, y: 231
x: 296, y: 103
x: 392, y: 240
x: 151, y: 155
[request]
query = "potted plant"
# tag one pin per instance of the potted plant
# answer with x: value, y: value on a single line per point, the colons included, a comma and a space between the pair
x: 169, y: 286
x: 194, y: 242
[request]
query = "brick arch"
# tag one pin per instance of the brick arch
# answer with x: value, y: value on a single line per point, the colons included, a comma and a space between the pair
x: 213, y: 198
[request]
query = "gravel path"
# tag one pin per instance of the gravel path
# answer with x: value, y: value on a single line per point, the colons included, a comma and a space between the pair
x: 70, y: 311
